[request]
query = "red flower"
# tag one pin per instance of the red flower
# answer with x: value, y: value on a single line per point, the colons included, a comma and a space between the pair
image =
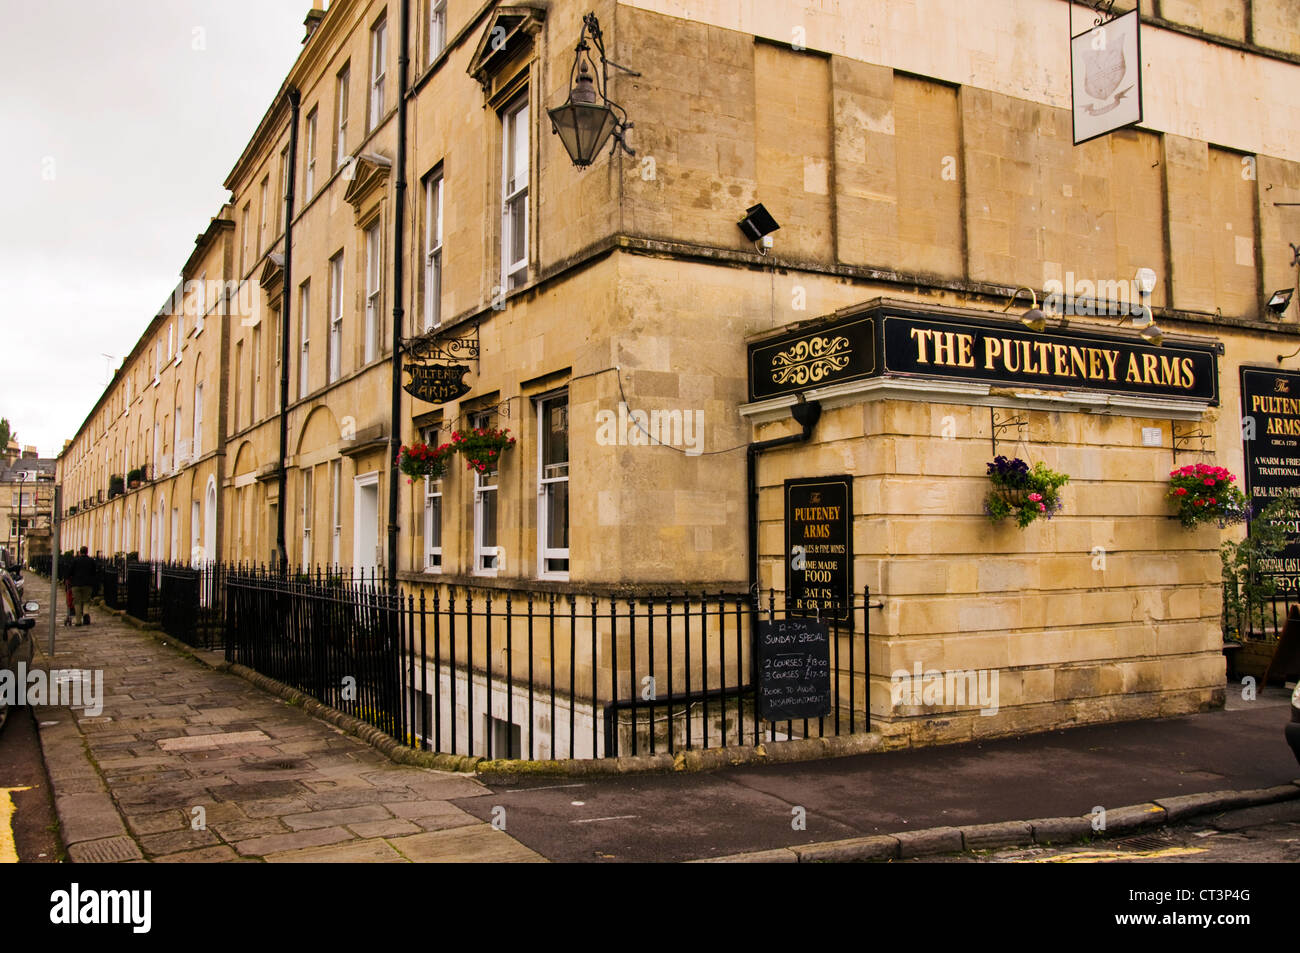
x: 1180, y: 491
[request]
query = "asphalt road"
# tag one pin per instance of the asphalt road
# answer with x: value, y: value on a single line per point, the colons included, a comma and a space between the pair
x: 1269, y: 834
x: 685, y: 817
x: 29, y: 834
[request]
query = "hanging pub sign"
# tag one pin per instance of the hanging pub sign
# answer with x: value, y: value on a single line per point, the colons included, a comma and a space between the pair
x: 1106, y: 77
x: 819, y: 548
x: 1270, y: 426
x: 436, y: 383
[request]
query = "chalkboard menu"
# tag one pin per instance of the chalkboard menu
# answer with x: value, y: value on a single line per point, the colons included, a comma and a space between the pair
x: 1270, y: 411
x: 819, y: 548
x: 794, y: 669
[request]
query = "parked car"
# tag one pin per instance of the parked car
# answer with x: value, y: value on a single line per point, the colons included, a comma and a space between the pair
x: 17, y: 644
x: 1293, y: 729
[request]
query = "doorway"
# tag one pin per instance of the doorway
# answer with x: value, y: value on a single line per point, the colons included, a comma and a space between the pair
x: 365, y: 523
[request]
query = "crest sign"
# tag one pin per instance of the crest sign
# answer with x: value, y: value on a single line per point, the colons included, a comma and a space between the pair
x: 1106, y: 77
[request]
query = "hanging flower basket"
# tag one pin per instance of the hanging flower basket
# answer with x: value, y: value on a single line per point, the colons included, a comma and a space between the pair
x: 482, y: 448
x: 422, y: 462
x: 1022, y: 493
x: 1204, y: 494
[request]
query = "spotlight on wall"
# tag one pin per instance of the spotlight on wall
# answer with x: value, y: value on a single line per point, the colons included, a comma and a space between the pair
x: 757, y: 224
x: 1280, y: 301
x: 1034, y: 319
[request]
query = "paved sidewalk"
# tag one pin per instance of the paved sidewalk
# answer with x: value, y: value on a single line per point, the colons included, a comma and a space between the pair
x: 190, y: 764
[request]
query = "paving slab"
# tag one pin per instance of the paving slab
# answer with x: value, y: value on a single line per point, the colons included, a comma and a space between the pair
x: 176, y: 734
x: 481, y: 843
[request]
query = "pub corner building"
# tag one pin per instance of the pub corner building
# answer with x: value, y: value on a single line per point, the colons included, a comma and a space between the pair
x: 799, y: 411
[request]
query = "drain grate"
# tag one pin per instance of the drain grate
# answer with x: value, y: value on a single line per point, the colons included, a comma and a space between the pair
x: 1143, y: 842
x: 284, y: 764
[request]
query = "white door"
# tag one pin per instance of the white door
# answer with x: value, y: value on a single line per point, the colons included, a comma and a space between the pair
x: 209, y: 543
x: 365, y: 524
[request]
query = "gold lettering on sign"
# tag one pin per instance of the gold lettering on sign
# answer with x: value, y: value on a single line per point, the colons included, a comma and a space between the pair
x: 811, y: 360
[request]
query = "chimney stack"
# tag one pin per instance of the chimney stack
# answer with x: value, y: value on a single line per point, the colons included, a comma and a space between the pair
x: 314, y: 16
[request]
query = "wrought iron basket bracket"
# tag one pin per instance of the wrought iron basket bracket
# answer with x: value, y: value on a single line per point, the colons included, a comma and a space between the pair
x: 1006, y: 421
x: 1184, y: 438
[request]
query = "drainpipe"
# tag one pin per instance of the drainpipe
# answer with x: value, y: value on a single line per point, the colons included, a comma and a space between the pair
x: 294, y: 98
x: 399, y: 221
x: 806, y: 414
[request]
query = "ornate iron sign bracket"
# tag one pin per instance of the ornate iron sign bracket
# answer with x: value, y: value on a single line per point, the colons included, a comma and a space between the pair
x: 432, y: 346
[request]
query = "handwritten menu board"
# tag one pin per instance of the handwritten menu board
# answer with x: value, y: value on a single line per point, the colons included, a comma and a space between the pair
x: 794, y: 669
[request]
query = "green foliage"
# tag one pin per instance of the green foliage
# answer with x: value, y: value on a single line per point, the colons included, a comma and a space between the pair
x: 1246, y: 590
x: 6, y: 434
x: 1023, y: 493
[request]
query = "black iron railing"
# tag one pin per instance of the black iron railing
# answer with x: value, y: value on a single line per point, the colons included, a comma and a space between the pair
x: 515, y: 674
x: 334, y: 637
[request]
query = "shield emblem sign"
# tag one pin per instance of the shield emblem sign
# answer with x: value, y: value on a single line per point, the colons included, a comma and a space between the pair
x: 1103, y: 71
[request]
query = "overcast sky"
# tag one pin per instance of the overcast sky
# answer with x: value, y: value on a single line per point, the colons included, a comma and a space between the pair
x: 118, y: 123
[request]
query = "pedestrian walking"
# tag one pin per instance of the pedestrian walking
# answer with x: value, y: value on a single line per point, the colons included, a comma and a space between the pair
x: 82, y: 578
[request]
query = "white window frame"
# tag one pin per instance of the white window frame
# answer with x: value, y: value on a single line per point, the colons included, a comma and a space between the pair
x: 544, y: 484
x: 437, y: 28
x: 336, y: 509
x: 202, y: 309
x: 335, y: 369
x: 284, y: 191
x: 515, y: 119
x: 176, y: 439
x: 308, y: 498
x: 487, y: 559
x: 157, y: 361
x: 176, y: 533
x: 261, y: 225
x: 304, y: 337
x: 374, y: 290
x: 378, y: 70
x: 196, y: 524
x: 432, y: 502
x: 243, y: 237
x: 309, y: 166
x: 196, y: 445
x: 342, y: 80
x: 434, y: 200
x: 279, y: 347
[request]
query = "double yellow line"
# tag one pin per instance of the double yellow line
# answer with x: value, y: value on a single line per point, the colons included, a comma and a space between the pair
x: 8, y: 849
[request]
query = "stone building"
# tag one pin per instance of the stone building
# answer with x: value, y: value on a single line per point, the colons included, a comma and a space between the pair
x: 919, y: 160
x: 26, y: 502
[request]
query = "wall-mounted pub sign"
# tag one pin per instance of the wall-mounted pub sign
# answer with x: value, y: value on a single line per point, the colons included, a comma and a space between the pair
x: 832, y: 354
x: 819, y: 548
x: 1270, y: 417
x: 895, y: 342
x: 436, y: 383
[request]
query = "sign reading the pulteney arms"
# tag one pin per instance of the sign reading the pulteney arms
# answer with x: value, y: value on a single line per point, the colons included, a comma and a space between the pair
x: 1270, y: 408
x: 436, y: 383
x: 819, y: 548
x: 976, y: 350
x: 831, y: 354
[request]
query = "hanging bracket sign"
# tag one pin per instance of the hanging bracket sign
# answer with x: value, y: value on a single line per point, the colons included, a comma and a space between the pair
x: 436, y: 383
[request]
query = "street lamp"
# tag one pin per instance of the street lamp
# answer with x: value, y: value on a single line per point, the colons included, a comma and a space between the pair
x: 589, y: 118
x: 22, y: 476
